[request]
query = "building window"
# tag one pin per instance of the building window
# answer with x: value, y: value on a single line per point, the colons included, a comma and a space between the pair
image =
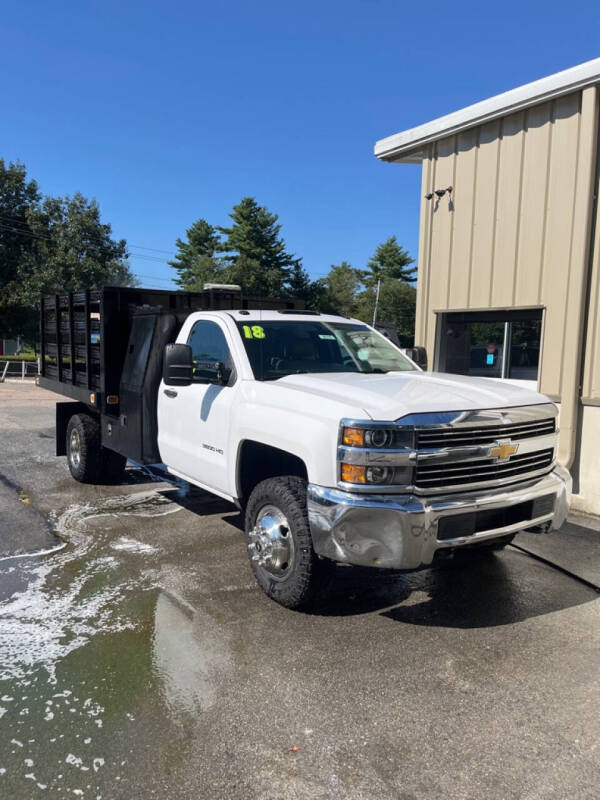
x: 492, y: 344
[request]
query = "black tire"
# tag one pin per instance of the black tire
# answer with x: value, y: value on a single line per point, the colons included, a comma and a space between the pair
x: 297, y: 585
x: 84, y: 453
x: 92, y: 463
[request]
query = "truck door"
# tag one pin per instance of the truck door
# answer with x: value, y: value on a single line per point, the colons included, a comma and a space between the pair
x: 194, y: 421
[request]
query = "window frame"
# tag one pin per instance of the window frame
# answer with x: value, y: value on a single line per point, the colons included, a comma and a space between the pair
x: 356, y: 325
x: 230, y: 363
x: 507, y: 316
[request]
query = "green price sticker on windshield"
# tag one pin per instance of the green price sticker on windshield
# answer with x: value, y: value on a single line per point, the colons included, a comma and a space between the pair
x: 254, y: 332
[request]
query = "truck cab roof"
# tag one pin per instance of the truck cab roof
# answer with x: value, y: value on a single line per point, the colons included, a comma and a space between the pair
x: 239, y: 315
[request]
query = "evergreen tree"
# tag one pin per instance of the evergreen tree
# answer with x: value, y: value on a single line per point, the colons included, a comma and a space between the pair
x: 397, y: 303
x: 301, y: 287
x: 256, y: 256
x: 341, y: 284
x: 299, y: 283
x: 196, y: 260
x: 390, y: 260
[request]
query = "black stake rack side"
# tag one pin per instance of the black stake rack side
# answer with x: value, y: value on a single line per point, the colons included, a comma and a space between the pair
x: 84, y: 334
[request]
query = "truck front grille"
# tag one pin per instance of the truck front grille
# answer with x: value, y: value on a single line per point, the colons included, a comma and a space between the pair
x: 459, y: 474
x: 461, y: 436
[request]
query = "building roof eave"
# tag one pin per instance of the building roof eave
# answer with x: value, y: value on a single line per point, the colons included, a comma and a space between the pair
x: 410, y: 146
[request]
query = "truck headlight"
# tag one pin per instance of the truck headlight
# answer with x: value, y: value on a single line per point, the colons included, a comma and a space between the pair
x: 354, y: 473
x: 376, y: 475
x: 378, y: 438
x: 377, y: 454
x: 354, y: 437
x: 379, y: 474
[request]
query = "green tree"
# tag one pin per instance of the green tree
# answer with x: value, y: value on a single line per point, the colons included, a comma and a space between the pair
x: 389, y: 260
x: 73, y: 249
x: 397, y: 303
x: 256, y: 255
x: 196, y: 260
x: 390, y: 265
x: 341, y: 286
x: 18, y: 197
x: 47, y: 246
x: 301, y: 287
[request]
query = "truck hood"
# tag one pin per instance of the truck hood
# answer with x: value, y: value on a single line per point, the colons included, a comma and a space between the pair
x: 391, y: 396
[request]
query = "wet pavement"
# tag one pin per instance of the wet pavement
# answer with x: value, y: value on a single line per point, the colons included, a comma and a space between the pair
x: 139, y: 660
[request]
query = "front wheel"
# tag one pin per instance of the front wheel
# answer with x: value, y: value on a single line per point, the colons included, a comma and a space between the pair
x: 280, y: 544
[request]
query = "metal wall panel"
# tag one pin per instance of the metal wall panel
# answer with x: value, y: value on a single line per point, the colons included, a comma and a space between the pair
x: 591, y: 372
x: 514, y: 232
x: 484, y: 216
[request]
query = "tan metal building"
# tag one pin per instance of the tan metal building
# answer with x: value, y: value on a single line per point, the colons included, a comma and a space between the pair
x: 509, y: 254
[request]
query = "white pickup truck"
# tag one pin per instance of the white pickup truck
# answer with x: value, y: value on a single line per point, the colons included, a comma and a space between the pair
x: 338, y: 446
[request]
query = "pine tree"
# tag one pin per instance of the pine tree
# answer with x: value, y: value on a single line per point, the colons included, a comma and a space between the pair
x: 301, y: 287
x: 390, y: 260
x: 196, y: 261
x: 397, y: 303
x: 342, y: 283
x: 256, y: 255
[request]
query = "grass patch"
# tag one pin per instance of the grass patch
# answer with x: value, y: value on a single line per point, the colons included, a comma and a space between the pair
x: 21, y: 357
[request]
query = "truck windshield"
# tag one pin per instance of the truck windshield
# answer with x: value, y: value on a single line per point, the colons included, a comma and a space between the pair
x: 279, y: 348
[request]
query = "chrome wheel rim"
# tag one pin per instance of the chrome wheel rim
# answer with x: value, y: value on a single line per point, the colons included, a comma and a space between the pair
x: 271, y: 544
x: 75, y: 449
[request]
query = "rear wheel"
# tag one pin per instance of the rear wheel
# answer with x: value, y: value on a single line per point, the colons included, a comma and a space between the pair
x: 282, y: 557
x: 83, y: 448
x: 88, y: 461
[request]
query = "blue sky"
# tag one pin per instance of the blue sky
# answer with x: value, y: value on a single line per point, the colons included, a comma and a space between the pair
x: 166, y: 112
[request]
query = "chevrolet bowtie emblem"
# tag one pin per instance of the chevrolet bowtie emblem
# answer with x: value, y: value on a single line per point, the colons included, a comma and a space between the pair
x: 503, y: 450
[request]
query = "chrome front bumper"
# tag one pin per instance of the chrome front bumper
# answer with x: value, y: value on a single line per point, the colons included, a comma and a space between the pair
x: 400, y: 531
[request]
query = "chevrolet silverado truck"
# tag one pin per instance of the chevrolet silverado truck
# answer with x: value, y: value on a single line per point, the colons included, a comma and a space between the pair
x: 338, y: 447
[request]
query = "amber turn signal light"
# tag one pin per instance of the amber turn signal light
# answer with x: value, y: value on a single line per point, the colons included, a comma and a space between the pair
x: 353, y: 473
x: 353, y: 436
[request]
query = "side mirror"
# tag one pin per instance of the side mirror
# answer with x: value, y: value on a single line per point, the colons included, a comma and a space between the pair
x: 178, y: 365
x: 212, y: 372
x: 418, y: 355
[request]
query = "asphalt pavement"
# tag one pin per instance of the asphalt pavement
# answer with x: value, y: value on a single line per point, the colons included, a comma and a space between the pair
x: 139, y: 660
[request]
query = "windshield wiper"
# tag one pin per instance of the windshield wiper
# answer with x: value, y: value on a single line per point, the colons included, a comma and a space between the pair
x: 378, y: 370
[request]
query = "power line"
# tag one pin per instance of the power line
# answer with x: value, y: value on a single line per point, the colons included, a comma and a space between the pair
x: 10, y: 221
x: 154, y: 249
x: 39, y: 237
x: 153, y: 278
x: 145, y: 257
x: 31, y: 235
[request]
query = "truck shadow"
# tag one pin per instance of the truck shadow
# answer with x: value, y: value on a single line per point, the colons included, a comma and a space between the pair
x: 471, y: 592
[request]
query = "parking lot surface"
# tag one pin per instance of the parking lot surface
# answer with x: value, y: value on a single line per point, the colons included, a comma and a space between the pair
x: 138, y: 659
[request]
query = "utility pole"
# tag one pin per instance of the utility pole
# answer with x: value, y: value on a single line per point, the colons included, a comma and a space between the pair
x: 376, y: 302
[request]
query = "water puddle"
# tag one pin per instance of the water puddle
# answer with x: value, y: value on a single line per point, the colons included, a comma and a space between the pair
x: 98, y: 664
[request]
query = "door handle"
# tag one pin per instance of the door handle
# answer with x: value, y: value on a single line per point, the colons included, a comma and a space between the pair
x: 170, y: 393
